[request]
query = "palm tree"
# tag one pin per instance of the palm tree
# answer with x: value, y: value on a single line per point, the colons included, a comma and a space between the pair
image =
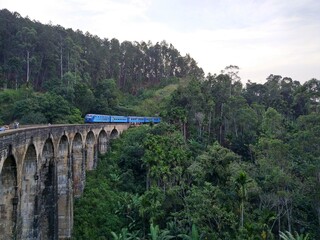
x: 241, y: 182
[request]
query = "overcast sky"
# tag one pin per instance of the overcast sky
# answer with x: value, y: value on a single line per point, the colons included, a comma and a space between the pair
x: 262, y: 37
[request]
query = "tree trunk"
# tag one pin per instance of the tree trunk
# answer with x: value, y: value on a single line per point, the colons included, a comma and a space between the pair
x: 61, y: 66
x: 242, y: 206
x: 235, y: 127
x: 28, y: 68
x: 318, y: 212
x: 209, y: 127
x: 221, y: 124
x: 68, y: 63
x: 242, y: 213
x: 16, y: 81
x: 288, y: 215
x: 318, y: 203
x: 36, y: 81
x: 279, y: 219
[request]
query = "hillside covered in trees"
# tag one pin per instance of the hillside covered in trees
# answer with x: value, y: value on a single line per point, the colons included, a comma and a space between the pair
x: 43, y: 55
x: 229, y: 161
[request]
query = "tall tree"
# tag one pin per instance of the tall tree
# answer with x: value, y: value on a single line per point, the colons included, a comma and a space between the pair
x: 27, y: 38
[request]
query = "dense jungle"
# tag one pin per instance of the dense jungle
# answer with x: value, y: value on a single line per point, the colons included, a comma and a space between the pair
x: 230, y: 160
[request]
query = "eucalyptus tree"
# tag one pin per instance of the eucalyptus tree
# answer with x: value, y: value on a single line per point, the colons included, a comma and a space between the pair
x: 233, y: 72
x: 27, y: 37
x: 255, y: 93
x: 220, y: 91
x: 115, y: 58
x: 312, y: 91
x: 10, y: 60
x: 187, y: 105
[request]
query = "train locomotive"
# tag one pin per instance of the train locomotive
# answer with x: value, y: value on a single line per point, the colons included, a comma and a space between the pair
x: 97, y: 118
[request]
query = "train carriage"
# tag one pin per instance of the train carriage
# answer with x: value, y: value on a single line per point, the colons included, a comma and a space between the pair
x: 156, y: 119
x: 136, y: 120
x: 119, y: 119
x: 97, y: 118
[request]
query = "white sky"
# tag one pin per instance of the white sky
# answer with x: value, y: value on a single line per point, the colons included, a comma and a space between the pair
x: 262, y: 37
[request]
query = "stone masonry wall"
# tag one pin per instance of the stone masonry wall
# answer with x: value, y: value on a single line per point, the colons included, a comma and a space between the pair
x: 42, y: 170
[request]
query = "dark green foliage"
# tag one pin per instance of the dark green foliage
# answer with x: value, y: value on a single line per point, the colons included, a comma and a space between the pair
x: 83, y: 98
x: 7, y: 101
x: 38, y: 54
x: 110, y: 203
x: 94, y: 215
x: 50, y: 108
x: 229, y: 167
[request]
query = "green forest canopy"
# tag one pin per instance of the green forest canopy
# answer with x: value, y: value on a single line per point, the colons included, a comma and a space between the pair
x: 229, y: 161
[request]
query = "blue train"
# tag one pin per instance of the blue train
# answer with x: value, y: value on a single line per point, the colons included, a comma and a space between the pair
x: 97, y: 118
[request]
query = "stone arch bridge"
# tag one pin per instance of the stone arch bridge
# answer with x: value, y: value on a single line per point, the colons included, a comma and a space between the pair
x: 42, y: 170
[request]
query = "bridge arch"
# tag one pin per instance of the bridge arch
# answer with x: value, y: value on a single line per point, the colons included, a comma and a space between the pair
x: 78, y: 167
x: 29, y: 193
x: 8, y: 197
x: 48, y: 203
x: 114, y: 134
x: 7, y: 151
x: 90, y: 151
x: 65, y: 203
x: 102, y: 142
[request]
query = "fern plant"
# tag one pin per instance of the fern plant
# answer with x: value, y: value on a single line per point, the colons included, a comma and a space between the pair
x: 289, y: 236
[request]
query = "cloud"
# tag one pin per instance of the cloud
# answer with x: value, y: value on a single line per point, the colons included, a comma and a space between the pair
x: 261, y: 37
